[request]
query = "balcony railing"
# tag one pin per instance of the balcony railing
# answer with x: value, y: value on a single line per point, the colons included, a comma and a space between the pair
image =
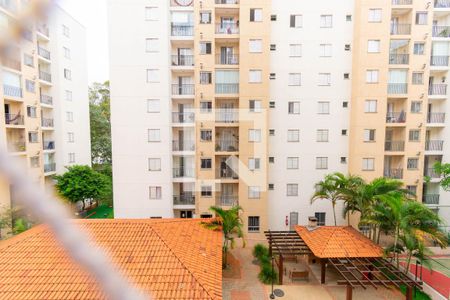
x: 227, y: 146
x: 442, y: 3
x: 183, y: 60
x: 48, y: 145
x: 227, y: 28
x: 44, y: 53
x: 441, y: 31
x: 401, y: 2
x: 394, y: 146
x: 9, y: 5
x: 432, y: 199
x: 398, y: 59
x: 41, y: 28
x: 19, y: 146
x: 397, y: 88
x: 227, y: 1
x: 434, y: 145
x: 226, y: 173
x: 183, y: 172
x: 437, y: 89
x: 228, y: 59
x: 227, y: 115
x: 393, y: 173
x: 439, y: 60
x: 227, y: 88
x: 228, y: 200
x: 184, y: 199
x: 185, y: 117
x: 12, y: 91
x: 400, y: 29
x: 431, y: 172
x: 45, y: 76
x: 49, y: 167
x: 183, y: 89
x: 46, y: 122
x: 12, y: 63
x: 46, y: 99
x: 14, y: 119
x: 182, y: 30
x: 436, y: 117
x: 395, y: 117
x: 183, y: 145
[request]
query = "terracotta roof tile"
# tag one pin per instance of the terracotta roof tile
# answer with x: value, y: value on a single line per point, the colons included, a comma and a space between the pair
x: 170, y: 259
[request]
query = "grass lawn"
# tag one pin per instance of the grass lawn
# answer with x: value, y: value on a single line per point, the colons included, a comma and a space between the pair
x: 418, y: 295
x: 101, y: 212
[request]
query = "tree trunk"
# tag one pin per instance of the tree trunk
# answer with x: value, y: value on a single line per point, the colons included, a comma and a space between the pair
x: 348, y: 218
x: 408, y: 262
x: 397, y: 229
x: 334, y: 212
x: 225, y: 251
x: 378, y: 237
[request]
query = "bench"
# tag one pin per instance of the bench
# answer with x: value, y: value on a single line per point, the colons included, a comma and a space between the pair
x: 299, y: 275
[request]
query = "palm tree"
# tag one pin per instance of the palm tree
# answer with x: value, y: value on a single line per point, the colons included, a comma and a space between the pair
x: 230, y: 223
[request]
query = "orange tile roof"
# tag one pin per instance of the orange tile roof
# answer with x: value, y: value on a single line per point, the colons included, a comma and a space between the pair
x: 169, y: 259
x: 338, y: 242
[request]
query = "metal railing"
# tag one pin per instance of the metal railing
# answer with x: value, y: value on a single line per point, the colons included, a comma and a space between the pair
x: 14, y: 119
x: 394, y: 173
x: 398, y: 59
x: 394, y: 146
x: 184, y: 199
x: 50, y: 167
x: 45, y: 76
x: 44, y: 52
x: 431, y: 172
x: 442, y: 3
x: 47, y: 122
x: 41, y: 28
x: 227, y: 115
x: 227, y: 28
x: 48, y: 145
x: 12, y: 63
x: 430, y: 199
x: 227, y: 88
x: 19, y: 146
x: 227, y: 146
x: 183, y: 60
x: 184, y: 117
x: 397, y: 88
x: 439, y: 60
x: 226, y: 173
x: 183, y: 89
x: 184, y: 145
x: 227, y: 1
x: 228, y: 59
x: 46, y: 99
x: 434, y: 145
x: 435, y: 117
x: 400, y: 29
x: 437, y: 89
x: 441, y: 31
x: 12, y: 91
x: 183, y: 172
x: 182, y: 30
x: 395, y: 117
x: 228, y: 200
x: 401, y: 2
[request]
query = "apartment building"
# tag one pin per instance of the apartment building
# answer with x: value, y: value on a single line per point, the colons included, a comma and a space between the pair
x: 44, y: 116
x: 223, y: 102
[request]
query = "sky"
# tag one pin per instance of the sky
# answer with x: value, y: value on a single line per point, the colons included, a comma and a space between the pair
x: 92, y: 14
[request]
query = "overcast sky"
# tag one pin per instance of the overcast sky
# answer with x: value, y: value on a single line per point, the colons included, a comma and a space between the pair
x: 92, y: 14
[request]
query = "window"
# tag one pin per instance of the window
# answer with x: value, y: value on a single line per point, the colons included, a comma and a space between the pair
x: 271, y: 104
x: 254, y: 192
x: 414, y: 135
x: 67, y: 74
x: 255, y: 76
x: 348, y: 18
x: 33, y: 137
x: 206, y: 163
x: 205, y: 135
x: 293, y: 135
x: 205, y: 106
x: 68, y: 95
x: 412, y: 189
x: 419, y: 48
x: 271, y: 159
x: 152, y: 75
x: 272, y: 132
x: 322, y: 135
x: 206, y: 191
x: 421, y: 18
x: 326, y: 21
x: 293, y: 107
x: 254, y: 164
x: 273, y: 76
x: 370, y: 106
x: 205, y: 77
x: 347, y: 47
x: 70, y: 137
x: 32, y: 111
x: 372, y: 76
x: 417, y: 78
x: 255, y: 46
x: 255, y: 15
x: 205, y: 47
x: 154, y: 135
x: 323, y: 107
x: 155, y: 192
x: 374, y: 15
x: 153, y: 106
x: 151, y: 45
x: 271, y: 186
x: 296, y: 21
x: 416, y: 106
x: 154, y: 164
x: 321, y: 163
x: 368, y: 164
x: 344, y: 132
x: 30, y: 86
x: 369, y: 135
x: 205, y: 17
x: 324, y: 79
x: 295, y: 79
x: 320, y: 216
x: 412, y: 164
x: 295, y: 50
x: 273, y: 47
x: 325, y: 50
x: 151, y: 13
x: 71, y: 158
x: 66, y: 31
x: 28, y: 60
x: 69, y: 116
x: 66, y: 52
x: 254, y: 135
x: 345, y: 104
x: 343, y: 160
x: 292, y: 163
x: 346, y: 76
x: 253, y: 224
x: 292, y: 189
x: 273, y: 17
x: 34, y: 162
x: 373, y: 46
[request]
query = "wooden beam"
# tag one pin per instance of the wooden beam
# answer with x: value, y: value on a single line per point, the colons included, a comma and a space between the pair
x: 349, y: 292
x: 323, y: 269
x: 409, y: 293
x: 280, y: 270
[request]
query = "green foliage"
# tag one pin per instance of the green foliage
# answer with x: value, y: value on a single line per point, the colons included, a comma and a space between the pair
x: 100, y: 121
x: 266, y: 275
x: 260, y: 251
x: 103, y: 211
x: 444, y: 171
x: 19, y: 226
x: 418, y: 295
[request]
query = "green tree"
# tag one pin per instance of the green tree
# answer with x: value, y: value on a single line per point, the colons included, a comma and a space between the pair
x: 443, y: 169
x: 80, y: 183
x: 100, y: 121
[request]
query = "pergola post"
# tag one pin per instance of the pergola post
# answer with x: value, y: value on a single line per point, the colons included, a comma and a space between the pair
x: 280, y: 269
x: 409, y: 293
x: 349, y: 294
x: 323, y: 269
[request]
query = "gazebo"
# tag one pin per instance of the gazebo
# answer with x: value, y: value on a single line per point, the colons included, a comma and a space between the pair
x: 357, y: 259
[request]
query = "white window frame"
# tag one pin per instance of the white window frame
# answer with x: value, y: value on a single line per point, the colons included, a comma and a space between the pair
x: 291, y: 189
x: 322, y: 163
x: 151, y: 45
x: 154, y: 135
x: 368, y: 164
x: 326, y: 21
x: 324, y: 79
x: 325, y: 50
x: 254, y: 163
x: 154, y: 164
x: 255, y: 76
x: 153, y: 75
x: 255, y: 46
x: 295, y: 79
x: 323, y: 108
x: 294, y: 107
x: 254, y: 135
x: 254, y: 192
x: 370, y: 106
x: 154, y: 192
x: 373, y: 46
x: 322, y: 135
x: 292, y: 163
x: 293, y: 135
x: 153, y: 105
x: 151, y: 13
x: 295, y: 50
x: 372, y: 76
x: 375, y: 15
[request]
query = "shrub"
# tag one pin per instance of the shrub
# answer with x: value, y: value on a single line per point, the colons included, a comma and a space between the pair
x: 266, y: 275
x: 260, y: 250
x: 264, y: 260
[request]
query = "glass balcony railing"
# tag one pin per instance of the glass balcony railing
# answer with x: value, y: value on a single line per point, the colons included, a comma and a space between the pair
x: 432, y: 199
x: 437, y: 89
x: 227, y: 88
x: 12, y: 91
x: 184, y: 199
x: 183, y: 89
x: 394, y: 173
x: 49, y: 167
x: 434, y: 145
x: 439, y: 60
x: 397, y: 88
x: 435, y: 117
x: 395, y: 117
x: 182, y: 30
x: 394, y: 146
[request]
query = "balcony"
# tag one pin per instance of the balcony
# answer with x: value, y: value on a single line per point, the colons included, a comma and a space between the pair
x: 182, y: 30
x: 183, y: 145
x: 441, y: 3
x: 394, y: 146
x: 396, y: 117
x: 49, y: 167
x: 232, y: 2
x: 46, y: 99
x: 48, y: 145
x: 437, y: 89
x: 183, y: 118
x: 14, y: 119
x: 226, y: 173
x: 19, y: 146
x: 393, y: 173
x: 43, y: 29
x: 183, y: 172
x: 227, y: 146
x: 434, y: 145
x: 441, y: 31
x: 45, y: 76
x: 402, y: 2
x: 12, y: 91
x: 47, y: 122
x: 183, y: 60
x: 12, y: 63
x: 400, y: 29
x: 43, y: 53
x: 184, y: 199
x: 432, y: 199
x: 183, y: 89
x: 228, y: 59
x: 398, y: 59
x: 228, y: 200
x: 227, y: 28
x: 435, y: 117
x: 227, y: 116
x: 397, y: 88
x: 439, y: 61
x: 9, y: 5
x: 431, y: 172
x: 227, y: 88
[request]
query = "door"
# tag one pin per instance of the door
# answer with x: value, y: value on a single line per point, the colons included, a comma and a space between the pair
x: 226, y: 55
x: 182, y: 166
x: 186, y: 214
x: 7, y: 113
x: 184, y: 56
x: 293, y: 220
x: 389, y: 135
x: 181, y: 140
x: 226, y: 112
